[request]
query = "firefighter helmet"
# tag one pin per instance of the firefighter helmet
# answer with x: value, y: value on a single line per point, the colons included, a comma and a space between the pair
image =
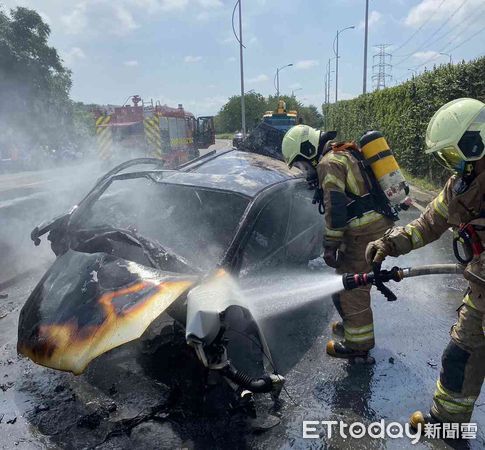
x: 456, y: 133
x: 300, y: 140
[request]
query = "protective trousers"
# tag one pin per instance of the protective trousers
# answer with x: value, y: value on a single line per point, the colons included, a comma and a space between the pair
x: 463, y: 361
x: 354, y: 306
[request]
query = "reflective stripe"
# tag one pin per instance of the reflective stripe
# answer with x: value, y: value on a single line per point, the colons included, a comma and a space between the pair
x: 468, y: 301
x: 366, y: 219
x: 359, y: 338
x: 333, y: 235
x: 440, y: 206
x: 338, y: 159
x: 352, y: 183
x: 359, y: 330
x: 416, y: 236
x: 453, y: 403
x: 332, y: 179
x: 359, y: 334
x: 103, y: 137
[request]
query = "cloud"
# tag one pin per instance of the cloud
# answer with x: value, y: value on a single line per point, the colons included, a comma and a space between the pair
x: 259, y: 79
x: 125, y: 19
x: 72, y: 55
x: 207, y: 105
x: 426, y: 55
x: 374, y: 18
x: 439, y: 11
x: 231, y: 59
x: 131, y: 63
x: 192, y: 59
x: 76, y: 21
x: 210, y: 4
x: 306, y: 64
x: 153, y: 6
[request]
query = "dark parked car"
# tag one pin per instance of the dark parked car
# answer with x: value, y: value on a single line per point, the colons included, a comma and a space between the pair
x: 147, y: 242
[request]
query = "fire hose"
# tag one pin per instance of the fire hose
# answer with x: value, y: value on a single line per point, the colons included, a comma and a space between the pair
x: 380, y: 276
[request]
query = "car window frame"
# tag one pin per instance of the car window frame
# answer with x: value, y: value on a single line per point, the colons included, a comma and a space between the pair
x: 232, y: 258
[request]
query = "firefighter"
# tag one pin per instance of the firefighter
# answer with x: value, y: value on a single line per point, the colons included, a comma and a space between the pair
x: 455, y: 136
x: 351, y: 222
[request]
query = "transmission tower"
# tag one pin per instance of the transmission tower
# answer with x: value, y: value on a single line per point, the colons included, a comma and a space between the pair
x: 381, y: 67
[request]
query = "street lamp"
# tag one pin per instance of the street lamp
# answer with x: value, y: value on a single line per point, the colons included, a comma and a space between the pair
x: 414, y: 71
x: 335, y: 50
x: 446, y: 54
x: 277, y: 78
x: 295, y: 90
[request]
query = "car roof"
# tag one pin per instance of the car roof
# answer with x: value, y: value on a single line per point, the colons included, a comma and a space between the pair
x: 236, y: 171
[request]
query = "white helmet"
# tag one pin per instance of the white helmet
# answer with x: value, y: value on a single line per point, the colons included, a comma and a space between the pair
x: 456, y: 133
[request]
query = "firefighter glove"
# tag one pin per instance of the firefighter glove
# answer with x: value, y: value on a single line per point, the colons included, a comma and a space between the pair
x: 330, y: 255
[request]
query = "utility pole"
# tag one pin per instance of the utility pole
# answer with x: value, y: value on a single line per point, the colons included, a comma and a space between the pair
x: 382, y: 68
x: 329, y: 72
x: 366, y: 35
x: 241, y: 58
x: 335, y: 49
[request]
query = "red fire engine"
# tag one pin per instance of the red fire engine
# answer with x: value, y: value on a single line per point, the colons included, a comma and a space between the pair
x: 147, y: 129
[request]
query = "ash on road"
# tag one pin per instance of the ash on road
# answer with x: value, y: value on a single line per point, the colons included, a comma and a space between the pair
x: 124, y: 399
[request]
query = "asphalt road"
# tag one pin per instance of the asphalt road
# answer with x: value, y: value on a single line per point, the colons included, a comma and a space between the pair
x: 124, y: 402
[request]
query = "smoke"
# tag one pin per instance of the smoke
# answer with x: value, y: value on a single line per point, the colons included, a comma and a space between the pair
x: 28, y: 198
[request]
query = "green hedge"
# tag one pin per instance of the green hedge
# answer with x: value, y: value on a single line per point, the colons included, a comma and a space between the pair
x: 402, y: 113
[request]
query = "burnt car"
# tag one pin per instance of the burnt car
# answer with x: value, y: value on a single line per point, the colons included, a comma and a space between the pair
x: 150, y: 242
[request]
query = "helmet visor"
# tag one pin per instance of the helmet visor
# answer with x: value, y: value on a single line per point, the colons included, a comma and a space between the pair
x: 450, y: 158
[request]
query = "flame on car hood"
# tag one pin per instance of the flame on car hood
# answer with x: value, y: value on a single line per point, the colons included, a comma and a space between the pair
x: 88, y: 304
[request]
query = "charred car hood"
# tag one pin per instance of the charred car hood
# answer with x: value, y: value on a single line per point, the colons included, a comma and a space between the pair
x: 88, y: 304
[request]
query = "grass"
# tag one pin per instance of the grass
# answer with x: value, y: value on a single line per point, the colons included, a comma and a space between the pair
x: 421, y: 183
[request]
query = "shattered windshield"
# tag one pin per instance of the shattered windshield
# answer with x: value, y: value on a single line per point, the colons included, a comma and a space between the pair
x: 194, y: 223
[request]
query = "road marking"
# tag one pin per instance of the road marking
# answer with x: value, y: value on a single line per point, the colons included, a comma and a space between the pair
x: 27, y: 185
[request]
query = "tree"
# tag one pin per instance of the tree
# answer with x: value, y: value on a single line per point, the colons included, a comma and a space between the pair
x: 228, y: 119
x: 36, y: 108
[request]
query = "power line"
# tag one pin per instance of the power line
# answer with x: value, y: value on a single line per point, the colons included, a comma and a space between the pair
x: 451, y: 49
x: 426, y: 22
x: 469, y: 39
x: 465, y: 25
x: 435, y: 32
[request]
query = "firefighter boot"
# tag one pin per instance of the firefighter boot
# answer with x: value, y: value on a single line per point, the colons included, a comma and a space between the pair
x: 419, y: 419
x: 340, y: 350
x: 338, y: 328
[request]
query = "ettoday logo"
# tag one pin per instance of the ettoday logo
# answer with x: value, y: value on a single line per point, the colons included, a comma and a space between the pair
x: 316, y: 429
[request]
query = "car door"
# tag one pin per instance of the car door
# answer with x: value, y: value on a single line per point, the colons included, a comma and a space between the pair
x: 265, y: 247
x: 305, y: 228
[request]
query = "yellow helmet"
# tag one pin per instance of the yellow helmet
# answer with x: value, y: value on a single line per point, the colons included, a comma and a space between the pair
x: 456, y: 133
x: 300, y: 140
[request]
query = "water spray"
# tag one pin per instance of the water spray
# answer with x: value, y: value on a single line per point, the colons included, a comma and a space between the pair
x: 378, y: 276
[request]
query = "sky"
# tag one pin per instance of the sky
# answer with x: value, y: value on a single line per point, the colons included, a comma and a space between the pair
x: 184, y: 51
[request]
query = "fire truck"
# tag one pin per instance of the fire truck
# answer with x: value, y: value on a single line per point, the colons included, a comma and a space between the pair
x: 147, y: 129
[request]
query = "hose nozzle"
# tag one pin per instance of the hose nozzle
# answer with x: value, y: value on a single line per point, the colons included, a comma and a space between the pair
x: 377, y: 277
